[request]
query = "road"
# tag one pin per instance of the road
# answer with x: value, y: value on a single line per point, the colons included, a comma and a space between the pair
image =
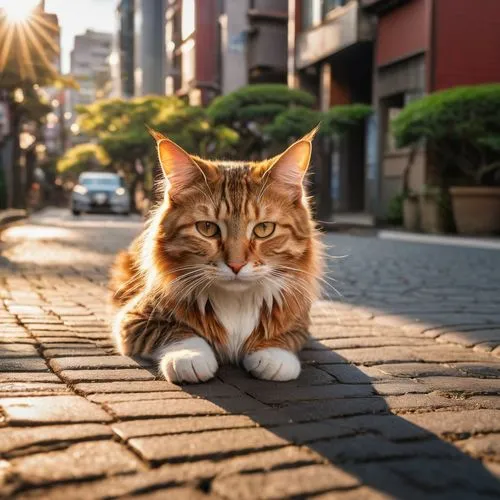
x: 398, y: 397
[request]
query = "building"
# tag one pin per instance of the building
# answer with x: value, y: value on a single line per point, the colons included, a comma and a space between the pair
x: 330, y: 54
x: 148, y: 48
x: 215, y: 47
x: 123, y: 50
x: 423, y: 46
x: 89, y: 66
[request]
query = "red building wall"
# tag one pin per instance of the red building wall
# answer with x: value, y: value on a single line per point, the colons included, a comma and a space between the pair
x: 403, y: 31
x: 207, y: 49
x: 466, y: 42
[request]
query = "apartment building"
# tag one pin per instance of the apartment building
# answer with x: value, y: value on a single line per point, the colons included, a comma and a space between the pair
x: 214, y: 47
x: 423, y: 46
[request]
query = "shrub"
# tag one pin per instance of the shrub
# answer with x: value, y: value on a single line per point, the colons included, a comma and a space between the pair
x: 461, y: 127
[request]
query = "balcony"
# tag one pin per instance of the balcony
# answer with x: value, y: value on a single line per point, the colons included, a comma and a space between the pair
x: 344, y: 27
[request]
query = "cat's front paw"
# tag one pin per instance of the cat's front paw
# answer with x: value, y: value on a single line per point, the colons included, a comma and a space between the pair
x: 273, y: 363
x: 191, y: 360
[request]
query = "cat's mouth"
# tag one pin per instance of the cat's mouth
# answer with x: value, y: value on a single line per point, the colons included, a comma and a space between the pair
x: 236, y: 283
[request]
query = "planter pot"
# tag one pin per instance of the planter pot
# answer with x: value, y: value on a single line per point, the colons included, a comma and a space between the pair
x: 431, y: 216
x: 476, y: 209
x: 411, y: 215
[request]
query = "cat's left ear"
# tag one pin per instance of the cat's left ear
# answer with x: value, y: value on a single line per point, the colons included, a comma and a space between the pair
x: 291, y: 166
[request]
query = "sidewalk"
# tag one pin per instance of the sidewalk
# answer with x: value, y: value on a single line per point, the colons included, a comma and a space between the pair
x: 386, y: 407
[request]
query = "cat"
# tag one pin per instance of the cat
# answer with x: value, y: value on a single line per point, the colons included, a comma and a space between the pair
x: 226, y: 269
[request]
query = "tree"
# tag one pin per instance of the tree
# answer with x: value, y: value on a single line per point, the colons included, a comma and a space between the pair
x: 27, y: 51
x: 461, y: 128
x: 120, y: 128
x: 82, y: 157
x: 251, y: 109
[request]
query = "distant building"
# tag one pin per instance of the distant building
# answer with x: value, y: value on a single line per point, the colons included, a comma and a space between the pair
x: 216, y: 47
x: 90, y: 68
x: 123, y: 50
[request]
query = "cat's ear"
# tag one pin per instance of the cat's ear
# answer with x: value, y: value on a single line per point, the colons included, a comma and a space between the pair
x: 180, y: 169
x: 290, y: 167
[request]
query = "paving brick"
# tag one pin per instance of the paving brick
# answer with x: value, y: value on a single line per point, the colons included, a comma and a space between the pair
x: 440, y: 475
x: 119, y: 374
x: 80, y: 461
x: 373, y: 447
x: 23, y: 365
x: 17, y: 441
x: 463, y: 384
x: 51, y: 409
x: 484, y: 369
x: 213, y: 444
x: 332, y: 391
x: 471, y: 337
x: 177, y: 407
x: 351, y: 374
x: 458, y: 423
x: 17, y: 351
x: 128, y: 386
x: 92, y: 362
x: 482, y: 447
x: 83, y: 351
x: 8, y: 389
x: 412, y: 370
x: 286, y: 483
x: 162, y: 426
x: 6, y: 377
x: 138, y: 396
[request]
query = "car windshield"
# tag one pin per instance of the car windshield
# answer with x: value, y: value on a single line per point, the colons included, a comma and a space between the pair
x: 101, y: 181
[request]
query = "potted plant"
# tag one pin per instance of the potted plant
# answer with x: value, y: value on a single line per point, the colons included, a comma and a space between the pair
x: 461, y: 130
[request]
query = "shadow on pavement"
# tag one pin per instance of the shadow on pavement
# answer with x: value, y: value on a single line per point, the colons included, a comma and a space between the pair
x: 354, y: 428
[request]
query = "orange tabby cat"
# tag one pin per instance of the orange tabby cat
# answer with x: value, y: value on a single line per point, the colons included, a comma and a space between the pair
x: 226, y: 269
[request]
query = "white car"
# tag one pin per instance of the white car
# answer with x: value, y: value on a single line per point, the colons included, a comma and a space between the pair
x: 100, y: 192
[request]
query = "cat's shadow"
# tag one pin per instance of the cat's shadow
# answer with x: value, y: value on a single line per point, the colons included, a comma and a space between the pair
x: 353, y: 427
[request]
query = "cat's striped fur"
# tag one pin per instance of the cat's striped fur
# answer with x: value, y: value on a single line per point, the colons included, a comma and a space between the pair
x: 180, y: 294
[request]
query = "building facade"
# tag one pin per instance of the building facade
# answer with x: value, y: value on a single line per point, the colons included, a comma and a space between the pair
x: 330, y: 54
x: 214, y: 46
x: 89, y: 66
x: 423, y: 46
x: 149, y: 47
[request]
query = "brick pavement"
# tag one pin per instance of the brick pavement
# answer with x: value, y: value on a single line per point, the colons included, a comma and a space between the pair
x: 398, y: 397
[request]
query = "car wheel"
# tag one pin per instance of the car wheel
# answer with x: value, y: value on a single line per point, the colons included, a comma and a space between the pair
x: 76, y: 212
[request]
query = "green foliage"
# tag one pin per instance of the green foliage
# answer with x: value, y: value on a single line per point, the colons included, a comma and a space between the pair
x: 82, y: 157
x: 251, y: 109
x: 461, y: 127
x: 256, y: 102
x: 395, y: 210
x: 340, y: 119
x: 293, y: 123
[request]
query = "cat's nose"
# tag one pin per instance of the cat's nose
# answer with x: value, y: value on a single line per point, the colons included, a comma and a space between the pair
x: 236, y: 266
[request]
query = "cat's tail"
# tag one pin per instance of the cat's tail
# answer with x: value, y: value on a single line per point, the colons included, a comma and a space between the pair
x: 124, y: 280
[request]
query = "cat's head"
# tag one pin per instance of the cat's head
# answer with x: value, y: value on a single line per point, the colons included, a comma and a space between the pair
x: 235, y: 225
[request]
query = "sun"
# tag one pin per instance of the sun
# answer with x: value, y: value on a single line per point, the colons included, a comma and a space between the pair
x: 18, y: 11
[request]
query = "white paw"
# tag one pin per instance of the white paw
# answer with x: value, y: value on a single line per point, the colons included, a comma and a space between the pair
x: 273, y: 363
x: 191, y: 360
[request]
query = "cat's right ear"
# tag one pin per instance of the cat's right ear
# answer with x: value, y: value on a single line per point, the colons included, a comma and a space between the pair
x: 180, y: 169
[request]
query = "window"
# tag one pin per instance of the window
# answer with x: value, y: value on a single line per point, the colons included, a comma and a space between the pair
x: 329, y: 5
x: 311, y: 13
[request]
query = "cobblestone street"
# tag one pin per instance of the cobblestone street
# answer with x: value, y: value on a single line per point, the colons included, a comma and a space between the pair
x: 398, y: 397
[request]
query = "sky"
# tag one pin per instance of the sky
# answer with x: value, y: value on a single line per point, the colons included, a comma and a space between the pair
x: 76, y: 16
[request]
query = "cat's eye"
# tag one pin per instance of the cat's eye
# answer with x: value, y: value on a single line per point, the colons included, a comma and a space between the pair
x: 264, y: 229
x: 207, y: 228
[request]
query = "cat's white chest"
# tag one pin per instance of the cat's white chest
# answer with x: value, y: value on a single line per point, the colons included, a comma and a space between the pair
x: 239, y: 314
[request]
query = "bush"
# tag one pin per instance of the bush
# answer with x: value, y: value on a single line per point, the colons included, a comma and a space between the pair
x: 339, y: 119
x: 461, y: 127
x: 395, y: 210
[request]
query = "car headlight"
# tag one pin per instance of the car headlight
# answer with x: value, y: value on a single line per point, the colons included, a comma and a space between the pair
x: 120, y: 191
x: 81, y: 190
